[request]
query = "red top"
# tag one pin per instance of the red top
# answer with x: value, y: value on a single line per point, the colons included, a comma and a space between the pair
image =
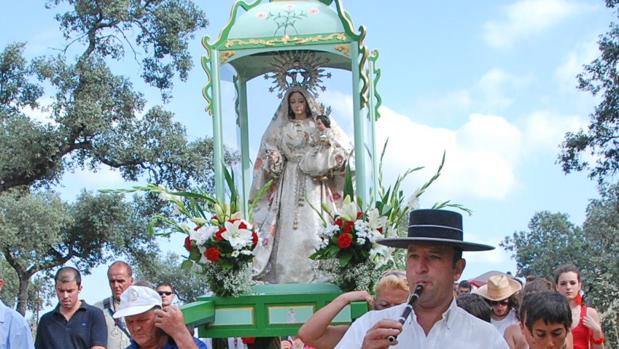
x: 581, y: 333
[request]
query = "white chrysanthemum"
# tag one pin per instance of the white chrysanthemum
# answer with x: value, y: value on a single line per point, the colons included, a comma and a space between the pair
x: 237, y: 237
x: 360, y: 241
x: 204, y: 233
x: 330, y: 230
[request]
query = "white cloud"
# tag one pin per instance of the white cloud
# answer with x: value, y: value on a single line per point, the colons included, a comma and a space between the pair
x: 545, y: 130
x: 526, y: 18
x: 493, y: 85
x: 480, y: 155
x: 566, y: 73
x: 42, y: 113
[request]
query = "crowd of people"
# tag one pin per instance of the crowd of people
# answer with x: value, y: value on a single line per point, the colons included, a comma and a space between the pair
x: 503, y: 313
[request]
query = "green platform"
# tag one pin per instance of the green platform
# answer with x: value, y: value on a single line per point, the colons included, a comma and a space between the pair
x: 266, y: 311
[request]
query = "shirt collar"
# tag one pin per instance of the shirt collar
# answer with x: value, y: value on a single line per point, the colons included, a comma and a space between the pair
x: 82, y: 307
x: 449, y: 316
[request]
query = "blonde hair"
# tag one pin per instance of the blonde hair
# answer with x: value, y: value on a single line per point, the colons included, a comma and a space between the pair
x: 393, y: 279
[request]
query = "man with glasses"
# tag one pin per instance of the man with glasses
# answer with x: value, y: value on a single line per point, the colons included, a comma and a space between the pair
x: 120, y: 277
x: 500, y: 292
x: 167, y: 293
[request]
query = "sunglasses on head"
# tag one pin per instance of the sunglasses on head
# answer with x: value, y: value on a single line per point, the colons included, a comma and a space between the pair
x: 166, y: 293
x: 503, y: 302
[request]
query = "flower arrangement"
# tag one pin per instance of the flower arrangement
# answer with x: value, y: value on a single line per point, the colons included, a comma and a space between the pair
x: 348, y: 250
x: 218, y: 239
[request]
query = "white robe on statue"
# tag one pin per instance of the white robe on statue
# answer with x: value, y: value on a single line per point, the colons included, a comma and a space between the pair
x: 284, y: 215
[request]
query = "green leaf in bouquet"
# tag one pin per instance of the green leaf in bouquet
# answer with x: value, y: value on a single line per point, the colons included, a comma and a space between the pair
x: 349, y: 189
x: 256, y: 199
x: 345, y: 259
x: 194, y: 255
x: 187, y: 264
x: 234, y: 195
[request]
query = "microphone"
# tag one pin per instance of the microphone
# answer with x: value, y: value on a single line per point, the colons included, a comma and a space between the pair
x: 407, y: 310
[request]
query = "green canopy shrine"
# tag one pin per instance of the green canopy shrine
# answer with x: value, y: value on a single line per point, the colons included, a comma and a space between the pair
x: 258, y: 36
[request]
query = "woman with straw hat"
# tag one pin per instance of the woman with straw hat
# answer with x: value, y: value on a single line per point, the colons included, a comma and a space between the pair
x: 500, y: 292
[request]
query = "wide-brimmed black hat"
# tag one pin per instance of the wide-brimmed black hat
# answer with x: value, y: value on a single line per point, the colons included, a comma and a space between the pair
x: 435, y: 226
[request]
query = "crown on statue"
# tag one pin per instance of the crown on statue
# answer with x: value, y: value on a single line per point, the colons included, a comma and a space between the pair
x: 297, y: 68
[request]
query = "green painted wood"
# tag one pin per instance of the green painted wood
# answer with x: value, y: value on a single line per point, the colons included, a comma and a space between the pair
x: 218, y: 151
x: 359, y: 129
x: 243, y: 126
x: 266, y: 310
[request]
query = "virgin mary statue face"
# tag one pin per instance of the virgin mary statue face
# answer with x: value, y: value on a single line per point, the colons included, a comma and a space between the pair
x: 298, y: 105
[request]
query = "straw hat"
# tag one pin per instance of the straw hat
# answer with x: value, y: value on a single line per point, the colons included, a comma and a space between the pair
x: 499, y: 287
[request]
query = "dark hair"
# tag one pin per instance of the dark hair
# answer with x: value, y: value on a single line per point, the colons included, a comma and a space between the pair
x: 68, y: 274
x: 124, y: 264
x: 475, y: 304
x: 464, y: 284
x: 308, y: 111
x: 325, y: 120
x: 534, y: 286
x: 566, y: 268
x: 457, y: 255
x: 549, y: 306
x: 166, y: 284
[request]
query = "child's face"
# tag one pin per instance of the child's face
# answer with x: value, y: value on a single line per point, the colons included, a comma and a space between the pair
x: 545, y: 336
x: 320, y: 125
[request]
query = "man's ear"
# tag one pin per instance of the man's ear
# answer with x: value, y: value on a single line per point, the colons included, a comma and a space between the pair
x: 459, y: 268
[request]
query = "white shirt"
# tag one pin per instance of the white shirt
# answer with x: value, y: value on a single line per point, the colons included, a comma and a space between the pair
x: 503, y: 324
x: 456, y: 329
x: 14, y: 330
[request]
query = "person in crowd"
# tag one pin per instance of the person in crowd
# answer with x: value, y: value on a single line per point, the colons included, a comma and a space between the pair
x: 73, y: 324
x: 167, y: 293
x: 120, y: 277
x: 14, y: 330
x: 586, y: 327
x: 391, y: 289
x: 501, y: 293
x: 546, y: 319
x: 514, y: 335
x: 433, y: 261
x: 151, y: 326
x: 475, y: 305
x: 464, y: 287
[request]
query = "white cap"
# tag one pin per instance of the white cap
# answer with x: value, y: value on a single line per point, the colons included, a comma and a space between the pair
x: 137, y: 300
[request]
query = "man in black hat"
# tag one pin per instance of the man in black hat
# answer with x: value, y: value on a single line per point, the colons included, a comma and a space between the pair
x: 434, y: 261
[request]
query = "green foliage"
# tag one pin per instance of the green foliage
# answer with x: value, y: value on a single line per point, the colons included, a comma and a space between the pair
x: 601, y: 138
x: 189, y: 283
x: 40, y: 232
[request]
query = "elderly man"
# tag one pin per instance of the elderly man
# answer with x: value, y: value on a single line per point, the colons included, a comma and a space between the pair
x: 120, y: 277
x: 434, y: 261
x: 152, y: 326
x: 73, y: 324
x: 14, y: 330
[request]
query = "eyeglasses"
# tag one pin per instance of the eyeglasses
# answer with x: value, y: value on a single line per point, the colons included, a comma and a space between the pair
x: 503, y: 302
x: 164, y: 293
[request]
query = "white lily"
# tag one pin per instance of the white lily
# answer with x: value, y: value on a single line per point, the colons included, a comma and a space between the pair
x: 375, y: 220
x: 202, y: 234
x: 349, y: 209
x: 237, y: 237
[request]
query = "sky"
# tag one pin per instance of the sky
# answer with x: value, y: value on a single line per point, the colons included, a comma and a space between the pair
x: 491, y: 83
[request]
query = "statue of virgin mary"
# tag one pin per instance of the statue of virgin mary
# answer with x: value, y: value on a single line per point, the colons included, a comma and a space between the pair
x: 289, y: 214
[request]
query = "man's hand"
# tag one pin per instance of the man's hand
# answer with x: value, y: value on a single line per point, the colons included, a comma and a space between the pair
x: 170, y: 320
x: 376, y: 337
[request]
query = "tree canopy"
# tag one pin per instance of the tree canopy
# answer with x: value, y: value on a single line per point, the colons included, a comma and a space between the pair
x: 96, y: 118
x: 597, y: 148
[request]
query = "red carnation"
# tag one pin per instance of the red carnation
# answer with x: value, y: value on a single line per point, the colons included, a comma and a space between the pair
x: 359, y: 214
x: 218, y: 236
x: 338, y: 222
x: 347, y: 228
x: 212, y: 254
x: 188, y: 243
x: 344, y: 240
x: 254, y: 238
x: 248, y: 340
x: 242, y: 225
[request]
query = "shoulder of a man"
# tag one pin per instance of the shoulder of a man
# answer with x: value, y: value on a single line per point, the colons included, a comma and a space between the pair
x: 353, y: 338
x: 480, y: 330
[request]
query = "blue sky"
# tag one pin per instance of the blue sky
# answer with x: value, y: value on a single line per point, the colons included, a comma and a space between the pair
x: 490, y: 82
